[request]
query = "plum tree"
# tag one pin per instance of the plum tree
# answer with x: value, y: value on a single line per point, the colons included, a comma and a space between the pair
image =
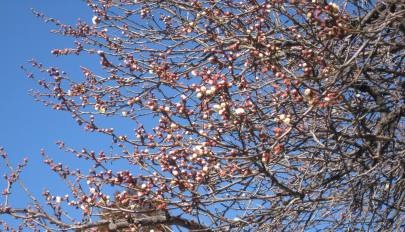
x: 256, y: 115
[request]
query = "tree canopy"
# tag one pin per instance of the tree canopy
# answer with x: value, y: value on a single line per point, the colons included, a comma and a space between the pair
x: 248, y: 115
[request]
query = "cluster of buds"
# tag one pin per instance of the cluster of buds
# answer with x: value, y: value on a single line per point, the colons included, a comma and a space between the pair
x: 325, y: 72
x: 221, y: 109
x: 307, y: 69
x: 204, y: 91
x: 133, y: 100
x: 101, y: 109
x: 332, y: 7
x: 198, y: 150
x: 131, y: 64
x: 66, y: 51
x: 285, y: 118
x: 265, y: 157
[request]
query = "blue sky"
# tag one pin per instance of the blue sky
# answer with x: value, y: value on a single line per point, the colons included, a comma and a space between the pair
x: 25, y: 125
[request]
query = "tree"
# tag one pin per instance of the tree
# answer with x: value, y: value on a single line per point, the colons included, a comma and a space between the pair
x: 247, y: 115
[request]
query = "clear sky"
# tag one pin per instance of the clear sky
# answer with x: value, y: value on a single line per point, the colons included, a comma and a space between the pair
x: 25, y: 125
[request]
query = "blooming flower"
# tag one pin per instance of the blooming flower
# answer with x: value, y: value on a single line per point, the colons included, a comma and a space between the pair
x: 239, y: 111
x: 307, y: 92
x: 95, y: 20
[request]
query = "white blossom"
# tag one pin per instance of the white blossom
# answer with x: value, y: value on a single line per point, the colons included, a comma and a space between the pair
x: 239, y: 111
x: 307, y: 92
x: 95, y: 20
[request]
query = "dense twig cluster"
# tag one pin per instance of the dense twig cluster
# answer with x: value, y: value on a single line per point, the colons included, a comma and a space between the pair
x: 248, y: 115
